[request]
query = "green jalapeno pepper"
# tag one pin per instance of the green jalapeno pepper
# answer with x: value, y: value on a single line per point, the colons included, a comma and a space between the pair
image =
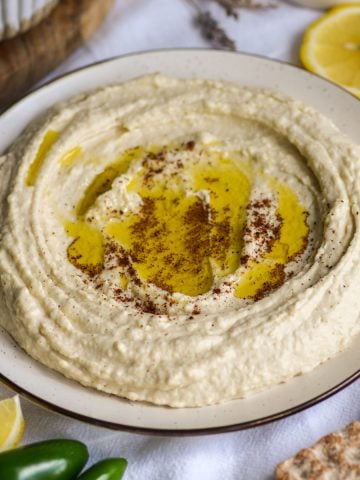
x: 49, y: 460
x: 109, y: 469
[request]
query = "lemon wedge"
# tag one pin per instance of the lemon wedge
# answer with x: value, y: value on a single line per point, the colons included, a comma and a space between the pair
x: 331, y: 47
x: 11, y: 423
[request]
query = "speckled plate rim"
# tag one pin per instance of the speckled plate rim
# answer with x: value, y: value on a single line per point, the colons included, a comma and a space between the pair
x: 254, y: 422
x: 179, y: 432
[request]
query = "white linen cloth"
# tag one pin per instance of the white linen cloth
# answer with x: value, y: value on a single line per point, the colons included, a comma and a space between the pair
x: 135, y: 25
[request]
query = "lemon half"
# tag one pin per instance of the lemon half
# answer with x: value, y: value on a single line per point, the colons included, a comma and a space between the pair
x: 11, y: 423
x: 331, y: 47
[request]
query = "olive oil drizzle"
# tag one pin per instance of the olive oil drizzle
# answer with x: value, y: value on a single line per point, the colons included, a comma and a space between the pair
x: 268, y: 273
x: 176, y: 240
x: 49, y: 139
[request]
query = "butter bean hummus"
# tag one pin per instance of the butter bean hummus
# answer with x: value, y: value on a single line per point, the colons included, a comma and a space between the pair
x: 181, y: 242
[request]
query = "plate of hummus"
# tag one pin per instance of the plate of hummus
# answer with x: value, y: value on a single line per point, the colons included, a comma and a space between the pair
x: 180, y: 242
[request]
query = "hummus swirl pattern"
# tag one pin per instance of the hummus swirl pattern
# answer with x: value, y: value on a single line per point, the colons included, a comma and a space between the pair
x: 182, y: 242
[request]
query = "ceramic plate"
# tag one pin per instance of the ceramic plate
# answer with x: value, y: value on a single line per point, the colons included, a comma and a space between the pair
x: 65, y: 396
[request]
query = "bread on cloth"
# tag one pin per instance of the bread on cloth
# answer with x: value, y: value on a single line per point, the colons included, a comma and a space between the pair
x: 334, y: 457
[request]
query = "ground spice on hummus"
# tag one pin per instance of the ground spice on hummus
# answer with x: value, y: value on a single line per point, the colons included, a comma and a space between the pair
x: 175, y: 241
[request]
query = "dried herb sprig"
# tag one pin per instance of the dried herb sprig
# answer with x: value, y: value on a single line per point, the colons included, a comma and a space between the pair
x: 231, y: 6
x: 211, y: 30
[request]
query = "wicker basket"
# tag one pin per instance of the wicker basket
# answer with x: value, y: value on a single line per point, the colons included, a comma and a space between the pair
x: 17, y: 16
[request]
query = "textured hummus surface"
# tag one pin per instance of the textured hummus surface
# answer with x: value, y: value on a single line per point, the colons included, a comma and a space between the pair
x: 181, y: 242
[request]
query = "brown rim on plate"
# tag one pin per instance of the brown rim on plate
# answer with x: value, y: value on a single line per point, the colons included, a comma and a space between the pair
x: 175, y: 432
x: 196, y: 431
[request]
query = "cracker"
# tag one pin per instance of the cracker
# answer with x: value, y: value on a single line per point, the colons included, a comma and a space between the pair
x: 334, y: 457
